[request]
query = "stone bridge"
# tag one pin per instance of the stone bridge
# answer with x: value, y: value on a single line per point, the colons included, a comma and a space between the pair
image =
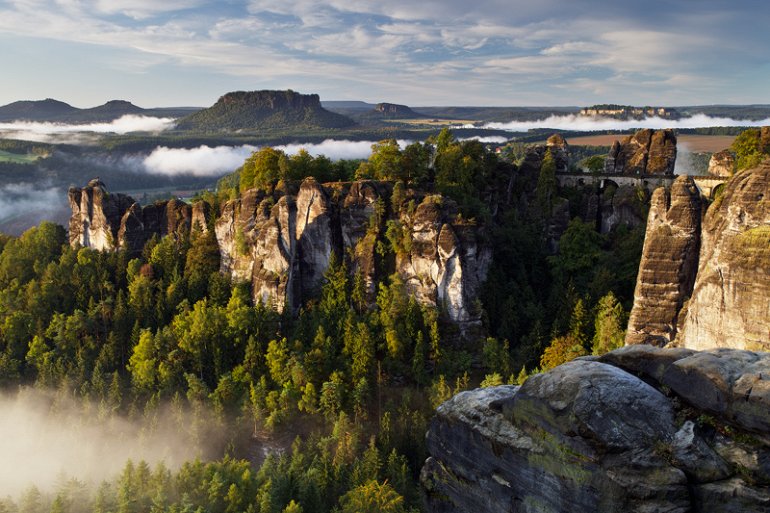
x: 706, y: 184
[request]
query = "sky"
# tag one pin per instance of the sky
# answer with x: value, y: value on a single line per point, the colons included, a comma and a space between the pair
x: 428, y: 52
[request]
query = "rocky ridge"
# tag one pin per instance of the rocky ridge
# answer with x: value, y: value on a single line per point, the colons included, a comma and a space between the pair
x: 640, y: 429
x: 282, y: 242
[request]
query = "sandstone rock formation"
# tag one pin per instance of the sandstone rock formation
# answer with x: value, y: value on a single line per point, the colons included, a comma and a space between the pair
x: 647, y: 152
x: 722, y: 163
x: 446, y: 263
x: 283, y: 246
x: 669, y: 260
x: 560, y: 152
x: 107, y: 221
x: 730, y: 304
x: 96, y: 216
x: 640, y: 429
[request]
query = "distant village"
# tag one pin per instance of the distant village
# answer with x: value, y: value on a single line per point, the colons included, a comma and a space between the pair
x: 629, y: 112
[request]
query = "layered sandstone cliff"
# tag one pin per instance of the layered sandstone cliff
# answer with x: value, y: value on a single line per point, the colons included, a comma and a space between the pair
x: 705, y: 285
x: 638, y: 430
x: 107, y: 221
x: 730, y: 304
x: 283, y: 243
x: 669, y: 260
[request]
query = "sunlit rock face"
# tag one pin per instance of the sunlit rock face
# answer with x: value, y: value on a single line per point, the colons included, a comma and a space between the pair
x: 285, y: 250
x: 647, y: 152
x: 706, y: 283
x: 283, y: 241
x: 668, y: 265
x: 641, y: 429
x: 96, y: 216
x: 722, y: 163
x: 730, y: 304
x: 446, y: 261
x: 107, y: 221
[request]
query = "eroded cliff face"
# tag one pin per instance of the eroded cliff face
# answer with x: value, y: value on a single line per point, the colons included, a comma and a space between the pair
x: 722, y: 163
x: 706, y: 284
x: 647, y: 152
x: 283, y: 242
x: 730, y: 304
x: 640, y: 429
x: 447, y: 261
x: 669, y: 260
x: 284, y: 251
x: 107, y: 221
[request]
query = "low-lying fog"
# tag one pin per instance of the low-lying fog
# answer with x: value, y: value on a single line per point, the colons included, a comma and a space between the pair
x: 574, y: 122
x: 78, y: 133
x: 44, y: 437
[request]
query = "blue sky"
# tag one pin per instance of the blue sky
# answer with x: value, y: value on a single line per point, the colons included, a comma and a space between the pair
x: 417, y: 52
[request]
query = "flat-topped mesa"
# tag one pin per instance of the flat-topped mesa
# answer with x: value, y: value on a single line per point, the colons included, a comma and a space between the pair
x: 647, y: 152
x: 109, y: 221
x: 730, y: 304
x: 668, y: 265
x: 250, y: 110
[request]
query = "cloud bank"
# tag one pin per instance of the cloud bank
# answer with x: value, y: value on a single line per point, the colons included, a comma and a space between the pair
x: 215, y: 161
x: 65, y: 132
x: 578, y: 123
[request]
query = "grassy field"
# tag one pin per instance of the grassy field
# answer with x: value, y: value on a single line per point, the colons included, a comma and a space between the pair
x: 694, y: 143
x: 16, y: 158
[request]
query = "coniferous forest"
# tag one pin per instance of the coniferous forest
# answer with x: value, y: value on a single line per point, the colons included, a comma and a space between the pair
x: 320, y: 410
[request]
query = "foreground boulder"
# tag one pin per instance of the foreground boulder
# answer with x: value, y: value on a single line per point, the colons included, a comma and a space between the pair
x: 640, y: 429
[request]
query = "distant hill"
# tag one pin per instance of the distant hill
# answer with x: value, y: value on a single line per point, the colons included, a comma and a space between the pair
x: 248, y: 110
x: 38, y: 110
x: 56, y: 111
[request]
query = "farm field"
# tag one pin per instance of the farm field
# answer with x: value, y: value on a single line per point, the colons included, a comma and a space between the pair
x: 693, y: 143
x: 16, y: 158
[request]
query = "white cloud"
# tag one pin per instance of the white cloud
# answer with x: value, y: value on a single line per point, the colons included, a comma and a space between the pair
x: 201, y: 161
x: 208, y: 161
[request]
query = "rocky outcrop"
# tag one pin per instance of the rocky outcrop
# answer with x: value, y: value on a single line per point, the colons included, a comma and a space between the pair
x: 394, y: 110
x: 559, y: 151
x: 284, y: 250
x: 640, y: 429
x: 647, y: 152
x: 96, y: 216
x: 445, y: 262
x: 108, y: 221
x: 669, y: 260
x: 730, y: 304
x: 722, y: 163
